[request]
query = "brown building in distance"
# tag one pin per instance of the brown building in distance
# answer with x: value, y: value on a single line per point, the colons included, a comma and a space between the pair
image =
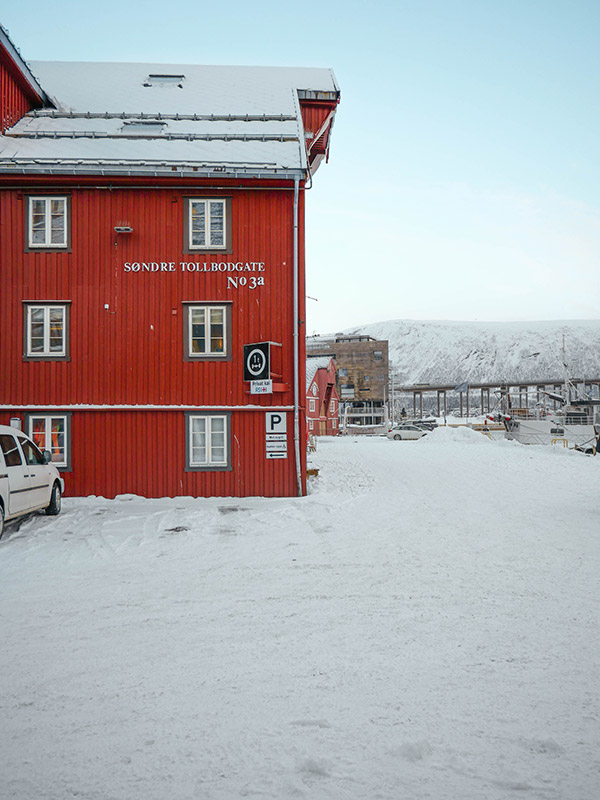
x: 361, y: 379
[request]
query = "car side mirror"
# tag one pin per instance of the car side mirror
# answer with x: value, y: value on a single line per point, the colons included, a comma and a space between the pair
x: 47, y: 457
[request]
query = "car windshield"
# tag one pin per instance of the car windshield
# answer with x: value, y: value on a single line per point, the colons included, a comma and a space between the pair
x: 32, y: 454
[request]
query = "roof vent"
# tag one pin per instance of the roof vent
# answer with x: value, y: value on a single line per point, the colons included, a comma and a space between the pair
x: 165, y: 80
x: 143, y: 127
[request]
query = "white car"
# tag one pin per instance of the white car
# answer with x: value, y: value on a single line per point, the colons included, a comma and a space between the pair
x: 401, y: 432
x: 28, y: 480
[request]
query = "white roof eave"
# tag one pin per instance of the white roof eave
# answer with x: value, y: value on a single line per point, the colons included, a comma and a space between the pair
x: 164, y: 169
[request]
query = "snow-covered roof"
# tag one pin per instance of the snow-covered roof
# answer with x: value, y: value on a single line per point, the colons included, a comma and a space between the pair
x: 150, y: 117
x: 313, y: 364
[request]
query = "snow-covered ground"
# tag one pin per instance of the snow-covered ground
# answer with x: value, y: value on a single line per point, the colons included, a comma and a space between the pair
x: 423, y: 625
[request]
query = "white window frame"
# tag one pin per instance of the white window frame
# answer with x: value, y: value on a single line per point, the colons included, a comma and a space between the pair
x: 206, y: 202
x: 332, y: 407
x: 46, y: 352
x: 48, y: 419
x: 208, y: 311
x: 48, y: 243
x: 312, y: 404
x: 209, y: 462
x: 334, y: 423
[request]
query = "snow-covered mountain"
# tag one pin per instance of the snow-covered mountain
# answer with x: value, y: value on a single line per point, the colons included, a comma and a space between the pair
x: 453, y: 352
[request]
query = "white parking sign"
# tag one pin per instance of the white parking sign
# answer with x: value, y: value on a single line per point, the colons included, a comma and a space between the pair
x: 275, y: 422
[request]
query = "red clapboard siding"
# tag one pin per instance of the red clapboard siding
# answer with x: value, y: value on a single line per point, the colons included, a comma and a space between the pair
x: 14, y: 103
x: 131, y: 353
x: 143, y: 452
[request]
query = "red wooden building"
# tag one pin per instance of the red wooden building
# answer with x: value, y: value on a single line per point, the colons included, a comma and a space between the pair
x: 152, y: 227
x: 322, y: 400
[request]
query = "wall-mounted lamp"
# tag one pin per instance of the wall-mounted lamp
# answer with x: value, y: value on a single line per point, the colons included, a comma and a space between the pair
x: 123, y: 229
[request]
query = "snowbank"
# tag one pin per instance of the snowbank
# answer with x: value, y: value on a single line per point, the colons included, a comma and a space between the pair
x: 449, y: 436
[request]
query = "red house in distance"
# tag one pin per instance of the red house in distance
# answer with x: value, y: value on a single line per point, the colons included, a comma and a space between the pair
x: 152, y: 256
x: 322, y: 401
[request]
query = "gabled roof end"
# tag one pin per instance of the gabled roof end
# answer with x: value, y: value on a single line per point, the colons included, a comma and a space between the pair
x: 28, y: 80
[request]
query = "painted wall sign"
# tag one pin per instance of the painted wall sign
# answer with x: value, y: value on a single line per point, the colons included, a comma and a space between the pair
x: 236, y: 271
x: 194, y: 266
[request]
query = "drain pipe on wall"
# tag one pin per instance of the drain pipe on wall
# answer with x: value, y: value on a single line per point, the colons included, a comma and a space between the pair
x: 296, y: 346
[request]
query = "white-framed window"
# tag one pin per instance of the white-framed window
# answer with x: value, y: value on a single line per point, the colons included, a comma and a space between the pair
x: 51, y: 432
x: 332, y: 407
x: 206, y: 328
x: 312, y: 404
x: 47, y: 222
x: 208, y: 438
x: 334, y: 423
x: 46, y: 330
x: 310, y: 424
x: 207, y: 224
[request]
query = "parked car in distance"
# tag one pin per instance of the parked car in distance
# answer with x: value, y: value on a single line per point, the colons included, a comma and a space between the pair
x: 28, y: 479
x: 427, y: 424
x: 405, y: 431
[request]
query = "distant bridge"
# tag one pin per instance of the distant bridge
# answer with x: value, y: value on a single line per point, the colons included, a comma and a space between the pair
x: 521, y: 390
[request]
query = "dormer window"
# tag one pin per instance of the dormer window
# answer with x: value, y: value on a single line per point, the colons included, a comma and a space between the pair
x: 165, y: 80
x: 144, y: 127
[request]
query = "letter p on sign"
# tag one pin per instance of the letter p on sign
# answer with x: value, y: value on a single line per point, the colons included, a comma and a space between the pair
x: 275, y: 422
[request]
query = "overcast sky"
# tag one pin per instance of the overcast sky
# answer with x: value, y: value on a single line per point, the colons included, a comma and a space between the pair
x: 464, y: 173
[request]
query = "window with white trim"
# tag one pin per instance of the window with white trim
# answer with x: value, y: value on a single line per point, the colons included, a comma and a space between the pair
x: 334, y: 423
x: 51, y: 432
x: 207, y: 224
x: 207, y: 331
x: 47, y: 222
x: 208, y: 446
x: 332, y: 407
x: 46, y: 331
x: 312, y: 404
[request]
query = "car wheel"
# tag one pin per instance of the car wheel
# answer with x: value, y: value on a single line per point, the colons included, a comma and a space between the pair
x: 1, y: 520
x: 397, y: 437
x: 55, y: 501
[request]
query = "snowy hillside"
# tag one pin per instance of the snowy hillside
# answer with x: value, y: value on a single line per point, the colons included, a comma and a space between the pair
x: 453, y: 352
